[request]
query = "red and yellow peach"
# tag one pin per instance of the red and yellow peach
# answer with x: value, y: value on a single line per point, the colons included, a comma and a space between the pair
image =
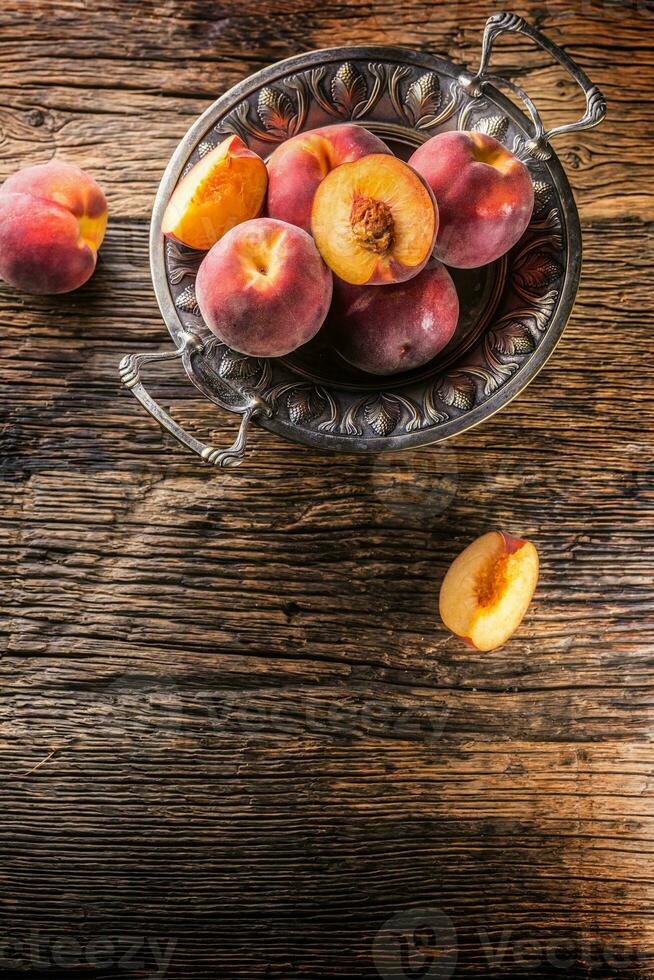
x: 485, y: 196
x: 263, y: 288
x: 53, y: 217
x: 374, y: 221
x: 297, y: 166
x: 386, y: 329
x: 487, y: 589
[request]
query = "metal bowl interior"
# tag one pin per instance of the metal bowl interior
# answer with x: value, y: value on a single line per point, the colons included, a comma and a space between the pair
x: 513, y: 312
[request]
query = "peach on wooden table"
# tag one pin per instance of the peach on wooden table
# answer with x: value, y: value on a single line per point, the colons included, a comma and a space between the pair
x: 224, y: 188
x: 487, y: 589
x: 53, y: 217
x: 386, y: 329
x: 297, y: 167
x: 485, y: 196
x: 374, y: 221
x: 263, y: 288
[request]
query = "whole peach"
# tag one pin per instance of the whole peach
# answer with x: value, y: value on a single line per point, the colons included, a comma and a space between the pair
x: 53, y: 218
x: 386, y: 329
x: 296, y: 167
x: 263, y: 288
x: 485, y: 196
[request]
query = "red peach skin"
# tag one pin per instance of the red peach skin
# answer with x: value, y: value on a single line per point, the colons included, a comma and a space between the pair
x: 386, y: 329
x: 296, y: 167
x: 263, y: 288
x: 485, y: 196
x: 52, y: 221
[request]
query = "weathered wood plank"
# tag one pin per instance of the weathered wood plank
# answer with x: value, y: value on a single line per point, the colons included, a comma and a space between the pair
x: 229, y: 718
x: 44, y: 109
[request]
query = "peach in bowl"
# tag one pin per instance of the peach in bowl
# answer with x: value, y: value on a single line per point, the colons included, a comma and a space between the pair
x: 53, y: 217
x: 374, y: 221
x: 263, y: 289
x: 387, y: 329
x: 297, y: 167
x: 225, y: 187
x: 485, y: 196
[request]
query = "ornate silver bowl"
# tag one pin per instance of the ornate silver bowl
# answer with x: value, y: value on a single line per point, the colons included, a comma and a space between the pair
x: 513, y: 312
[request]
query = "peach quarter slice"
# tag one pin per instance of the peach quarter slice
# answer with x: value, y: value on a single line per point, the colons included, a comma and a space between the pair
x: 225, y: 187
x: 487, y: 589
x: 374, y: 221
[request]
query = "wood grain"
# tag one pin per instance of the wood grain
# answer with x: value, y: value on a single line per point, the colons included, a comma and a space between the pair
x: 231, y: 721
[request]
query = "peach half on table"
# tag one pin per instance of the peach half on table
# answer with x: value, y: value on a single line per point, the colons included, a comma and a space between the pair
x: 224, y: 188
x: 263, y: 288
x: 487, y: 589
x: 485, y: 196
x: 374, y: 221
x: 297, y: 167
x: 386, y: 329
x: 53, y: 217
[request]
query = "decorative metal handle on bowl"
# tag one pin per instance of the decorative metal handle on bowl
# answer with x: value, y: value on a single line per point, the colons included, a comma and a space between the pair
x: 248, y: 404
x: 538, y: 146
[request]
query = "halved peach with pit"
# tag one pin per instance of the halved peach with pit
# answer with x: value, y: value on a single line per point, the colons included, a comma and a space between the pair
x: 298, y: 165
x: 487, y: 589
x: 225, y: 187
x: 374, y: 221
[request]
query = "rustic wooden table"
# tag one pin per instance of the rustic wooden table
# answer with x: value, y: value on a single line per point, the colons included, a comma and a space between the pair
x: 236, y: 742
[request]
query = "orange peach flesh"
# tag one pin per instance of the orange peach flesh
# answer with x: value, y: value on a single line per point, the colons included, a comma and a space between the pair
x: 224, y: 188
x: 373, y: 217
x: 487, y: 589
